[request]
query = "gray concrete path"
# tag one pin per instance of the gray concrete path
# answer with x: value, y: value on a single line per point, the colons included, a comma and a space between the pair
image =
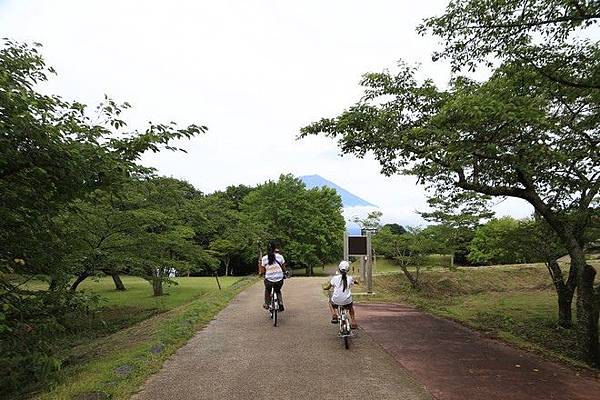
x: 240, y: 355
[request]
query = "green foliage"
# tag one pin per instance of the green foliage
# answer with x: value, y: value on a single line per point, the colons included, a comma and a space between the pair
x: 308, y: 223
x: 163, y: 241
x: 410, y: 249
x: 27, y: 326
x: 223, y: 228
x: 371, y: 222
x: 53, y: 152
x: 498, y: 242
x: 395, y: 228
x: 548, y: 35
x: 510, y: 241
x: 53, y: 155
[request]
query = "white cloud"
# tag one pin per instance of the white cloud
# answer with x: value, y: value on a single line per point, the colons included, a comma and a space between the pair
x: 253, y: 71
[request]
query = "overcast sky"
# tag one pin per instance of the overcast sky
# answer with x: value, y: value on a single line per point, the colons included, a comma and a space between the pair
x: 253, y: 71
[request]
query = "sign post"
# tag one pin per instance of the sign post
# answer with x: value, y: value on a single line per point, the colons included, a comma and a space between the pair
x: 369, y: 265
x: 346, y: 256
x: 360, y: 246
x: 363, y: 269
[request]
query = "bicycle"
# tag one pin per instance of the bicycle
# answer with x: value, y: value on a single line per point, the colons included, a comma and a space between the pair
x: 274, y: 306
x: 345, y: 328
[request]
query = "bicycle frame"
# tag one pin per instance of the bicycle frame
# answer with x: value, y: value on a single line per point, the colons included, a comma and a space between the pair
x: 345, y: 329
x: 274, y: 306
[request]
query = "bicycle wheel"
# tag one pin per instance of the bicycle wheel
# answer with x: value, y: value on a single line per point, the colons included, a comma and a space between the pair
x: 275, y: 317
x: 346, y: 342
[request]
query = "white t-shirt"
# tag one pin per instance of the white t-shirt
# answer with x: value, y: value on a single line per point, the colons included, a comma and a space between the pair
x: 340, y: 296
x: 273, y: 272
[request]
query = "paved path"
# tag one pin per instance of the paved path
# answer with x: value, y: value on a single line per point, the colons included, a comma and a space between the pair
x: 240, y: 355
x: 456, y: 363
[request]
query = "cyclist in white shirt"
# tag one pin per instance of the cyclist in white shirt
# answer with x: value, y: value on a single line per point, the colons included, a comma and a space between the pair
x: 273, y: 265
x: 342, y: 293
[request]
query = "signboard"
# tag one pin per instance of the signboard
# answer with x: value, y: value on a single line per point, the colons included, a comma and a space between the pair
x: 361, y: 246
x: 357, y: 246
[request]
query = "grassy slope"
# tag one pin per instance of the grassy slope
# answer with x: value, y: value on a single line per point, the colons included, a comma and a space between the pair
x: 514, y: 303
x: 146, y: 331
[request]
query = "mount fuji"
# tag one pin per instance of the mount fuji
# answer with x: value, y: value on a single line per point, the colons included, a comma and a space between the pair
x: 353, y: 205
x: 348, y: 199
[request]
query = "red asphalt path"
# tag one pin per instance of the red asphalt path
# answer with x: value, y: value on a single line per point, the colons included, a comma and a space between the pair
x: 456, y: 363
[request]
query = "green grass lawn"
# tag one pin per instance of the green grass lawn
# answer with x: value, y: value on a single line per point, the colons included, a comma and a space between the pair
x: 382, y: 266
x: 139, y: 292
x: 132, y: 334
x: 322, y: 270
x: 514, y: 303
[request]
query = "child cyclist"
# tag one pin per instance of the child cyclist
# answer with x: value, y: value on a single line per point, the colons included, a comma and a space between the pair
x: 273, y: 266
x: 342, y: 293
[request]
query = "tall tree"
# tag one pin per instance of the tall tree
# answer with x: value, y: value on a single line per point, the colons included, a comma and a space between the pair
x: 164, y: 241
x: 516, y: 135
x: 95, y: 231
x: 308, y: 223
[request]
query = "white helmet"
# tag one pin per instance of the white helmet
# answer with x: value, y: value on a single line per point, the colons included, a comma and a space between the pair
x: 344, y: 266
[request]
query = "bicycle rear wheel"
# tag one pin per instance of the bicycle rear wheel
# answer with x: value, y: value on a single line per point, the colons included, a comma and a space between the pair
x: 274, y: 306
x: 346, y: 342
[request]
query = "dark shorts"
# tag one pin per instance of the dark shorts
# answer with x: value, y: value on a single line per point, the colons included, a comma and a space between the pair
x: 348, y: 306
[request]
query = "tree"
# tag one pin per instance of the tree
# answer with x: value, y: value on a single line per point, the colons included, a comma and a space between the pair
x: 372, y: 222
x: 95, y: 231
x: 308, y: 223
x: 52, y: 153
x: 221, y: 227
x: 540, y: 240
x: 408, y: 250
x: 500, y: 241
x: 164, y: 243
x: 544, y: 34
x: 396, y: 229
x: 519, y: 134
x: 224, y: 249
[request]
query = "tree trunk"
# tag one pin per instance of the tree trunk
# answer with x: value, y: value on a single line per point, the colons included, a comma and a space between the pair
x: 564, y: 291
x: 414, y: 283
x: 118, y: 282
x: 587, y: 308
x: 226, y: 267
x: 53, y: 283
x: 217, y: 278
x: 157, y: 287
x: 82, y: 277
x: 564, y: 310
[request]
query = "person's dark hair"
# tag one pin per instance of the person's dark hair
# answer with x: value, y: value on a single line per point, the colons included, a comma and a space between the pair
x: 344, y: 279
x: 271, y: 251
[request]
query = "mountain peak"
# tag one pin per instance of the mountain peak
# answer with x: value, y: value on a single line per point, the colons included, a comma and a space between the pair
x: 348, y: 199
